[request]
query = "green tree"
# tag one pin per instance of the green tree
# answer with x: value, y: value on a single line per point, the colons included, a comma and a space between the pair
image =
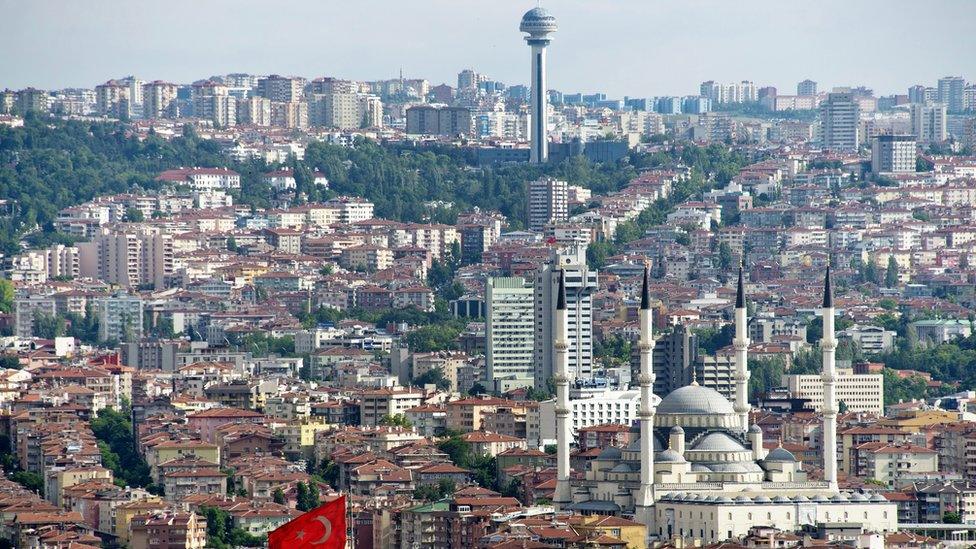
x: 396, y: 420
x: 133, y: 215
x: 32, y: 481
x: 48, y: 326
x: 891, y: 273
x: 6, y: 296
x: 118, y: 447
x: 279, y: 497
x: 952, y: 518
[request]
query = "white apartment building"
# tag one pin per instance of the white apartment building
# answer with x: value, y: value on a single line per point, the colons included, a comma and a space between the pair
x: 860, y: 392
x: 119, y: 318
x: 929, y: 123
x: 25, y: 309
x: 510, y: 329
x: 839, y: 121
x: 382, y: 402
x: 617, y: 407
x: 581, y: 284
x: 548, y: 202
x: 893, y: 154
x: 41, y: 265
x: 203, y: 179
x: 352, y: 209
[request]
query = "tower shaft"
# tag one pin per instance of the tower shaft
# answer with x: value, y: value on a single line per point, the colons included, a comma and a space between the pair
x: 539, y: 152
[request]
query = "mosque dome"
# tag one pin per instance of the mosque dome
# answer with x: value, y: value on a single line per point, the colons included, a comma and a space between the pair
x: 669, y: 456
x: 780, y: 455
x: 718, y: 442
x: 610, y: 452
x: 695, y: 399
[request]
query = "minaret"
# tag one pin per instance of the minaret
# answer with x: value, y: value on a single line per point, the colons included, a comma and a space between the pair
x: 563, y: 495
x: 829, y: 345
x: 741, y: 345
x: 645, y: 499
x: 539, y: 25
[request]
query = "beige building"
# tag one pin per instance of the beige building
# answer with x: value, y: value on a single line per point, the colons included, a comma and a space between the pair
x: 129, y: 257
x: 382, y: 402
x: 367, y: 257
x: 158, y: 100
x: 168, y: 530
x: 859, y: 392
x: 889, y: 463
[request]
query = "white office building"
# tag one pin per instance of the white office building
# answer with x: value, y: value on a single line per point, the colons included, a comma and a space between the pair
x: 510, y: 331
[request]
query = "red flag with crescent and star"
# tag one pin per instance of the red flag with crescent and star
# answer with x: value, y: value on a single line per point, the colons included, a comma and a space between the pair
x: 321, y: 528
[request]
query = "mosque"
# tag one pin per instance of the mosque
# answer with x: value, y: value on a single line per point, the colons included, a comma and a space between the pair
x: 698, y: 471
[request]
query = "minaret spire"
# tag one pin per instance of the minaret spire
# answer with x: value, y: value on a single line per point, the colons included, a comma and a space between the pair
x: 741, y: 346
x: 828, y: 346
x: 563, y: 495
x: 645, y: 497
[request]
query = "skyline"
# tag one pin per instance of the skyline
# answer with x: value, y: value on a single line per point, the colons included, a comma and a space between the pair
x: 106, y: 47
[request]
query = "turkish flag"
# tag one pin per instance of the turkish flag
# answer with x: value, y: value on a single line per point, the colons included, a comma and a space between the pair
x: 321, y: 528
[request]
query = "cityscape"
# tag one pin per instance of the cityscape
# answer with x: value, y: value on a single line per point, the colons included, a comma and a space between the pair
x: 309, y: 311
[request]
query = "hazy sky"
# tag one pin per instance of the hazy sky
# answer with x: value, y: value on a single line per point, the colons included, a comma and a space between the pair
x: 622, y: 47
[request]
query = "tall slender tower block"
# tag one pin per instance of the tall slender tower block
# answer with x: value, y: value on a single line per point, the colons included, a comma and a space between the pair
x: 539, y: 25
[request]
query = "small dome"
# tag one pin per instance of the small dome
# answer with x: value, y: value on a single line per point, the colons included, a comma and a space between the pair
x: 723, y: 499
x: 838, y: 498
x: 820, y: 498
x: 700, y: 468
x: 878, y: 498
x: 670, y: 456
x: 762, y: 499
x: 695, y: 399
x: 718, y: 442
x: 859, y: 497
x: 781, y: 499
x: 622, y: 468
x: 755, y: 429
x: 743, y: 499
x: 610, y: 452
x: 780, y: 455
x: 677, y: 430
x: 801, y: 499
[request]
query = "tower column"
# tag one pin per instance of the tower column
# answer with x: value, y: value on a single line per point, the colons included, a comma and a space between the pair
x: 645, y: 497
x: 741, y: 346
x: 539, y: 153
x: 563, y: 494
x: 828, y: 346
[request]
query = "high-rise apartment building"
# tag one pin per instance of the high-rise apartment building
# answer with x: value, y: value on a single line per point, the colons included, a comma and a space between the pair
x: 951, y: 93
x: 113, y: 99
x: 28, y: 309
x: 468, y: 80
x: 254, y: 111
x: 119, y: 318
x: 129, y: 258
x: 284, y: 89
x: 548, y: 202
x: 929, y: 123
x: 439, y: 120
x: 673, y: 359
x: 893, y: 154
x: 839, y: 120
x: 32, y: 100
x: 807, y: 88
x: 159, y: 100
x: 510, y: 331
x: 581, y: 284
x: 291, y: 114
x: 211, y: 101
x: 736, y: 92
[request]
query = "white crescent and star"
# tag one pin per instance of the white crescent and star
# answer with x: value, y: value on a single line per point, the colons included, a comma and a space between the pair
x: 327, y: 524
